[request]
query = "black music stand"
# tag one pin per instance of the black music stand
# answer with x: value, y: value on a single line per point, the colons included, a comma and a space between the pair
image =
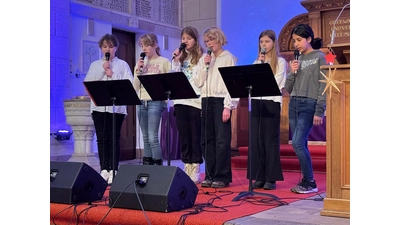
x: 246, y: 81
x: 167, y: 86
x: 112, y: 93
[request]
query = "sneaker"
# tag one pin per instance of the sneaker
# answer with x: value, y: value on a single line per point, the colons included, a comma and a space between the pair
x: 219, y: 184
x: 187, y: 168
x: 298, y: 184
x: 295, y: 187
x: 206, y: 183
x: 105, y: 174
x: 110, y: 178
x: 305, y: 187
x: 195, y: 173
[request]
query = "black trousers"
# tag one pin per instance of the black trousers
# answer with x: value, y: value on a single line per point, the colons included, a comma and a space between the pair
x: 103, y: 124
x: 265, y: 137
x: 216, y: 140
x: 188, y: 121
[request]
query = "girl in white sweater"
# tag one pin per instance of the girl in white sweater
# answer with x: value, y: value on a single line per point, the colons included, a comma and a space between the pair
x: 216, y: 105
x: 188, y: 111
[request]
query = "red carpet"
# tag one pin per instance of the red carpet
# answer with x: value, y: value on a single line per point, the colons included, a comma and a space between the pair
x: 212, y: 206
x: 289, y: 159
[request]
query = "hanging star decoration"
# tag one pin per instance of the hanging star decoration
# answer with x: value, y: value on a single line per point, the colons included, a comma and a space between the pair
x: 330, y: 82
x: 330, y: 58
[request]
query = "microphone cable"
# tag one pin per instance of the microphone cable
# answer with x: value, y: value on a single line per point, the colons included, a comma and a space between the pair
x: 140, y: 113
x: 205, y: 130
x: 259, y: 144
x: 260, y: 139
x: 334, y: 28
x: 140, y: 130
x: 107, y: 56
x: 205, y: 125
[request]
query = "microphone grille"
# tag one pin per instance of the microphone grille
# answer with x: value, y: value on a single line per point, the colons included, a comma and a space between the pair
x: 209, y: 50
x: 183, y: 45
x: 263, y: 50
x: 296, y: 52
x: 142, y: 55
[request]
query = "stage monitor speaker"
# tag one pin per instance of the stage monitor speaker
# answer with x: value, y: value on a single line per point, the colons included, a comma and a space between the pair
x: 75, y: 182
x: 156, y: 188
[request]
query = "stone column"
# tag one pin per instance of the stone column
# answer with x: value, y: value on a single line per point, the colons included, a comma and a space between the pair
x: 77, y: 112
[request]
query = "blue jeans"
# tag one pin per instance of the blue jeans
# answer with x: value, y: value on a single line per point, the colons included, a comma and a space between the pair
x: 149, y: 116
x: 301, y: 115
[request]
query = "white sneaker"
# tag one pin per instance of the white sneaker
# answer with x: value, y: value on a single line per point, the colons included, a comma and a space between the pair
x: 105, y: 175
x: 195, y: 173
x: 110, y: 178
x: 187, y: 168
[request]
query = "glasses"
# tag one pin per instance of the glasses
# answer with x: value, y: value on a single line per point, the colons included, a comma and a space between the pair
x: 209, y: 40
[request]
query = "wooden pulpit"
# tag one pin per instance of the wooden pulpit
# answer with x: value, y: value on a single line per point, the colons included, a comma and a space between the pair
x: 337, y: 200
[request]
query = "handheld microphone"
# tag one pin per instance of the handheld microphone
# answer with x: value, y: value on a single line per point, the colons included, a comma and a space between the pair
x: 296, y: 57
x: 209, y: 50
x: 263, y: 52
x: 107, y: 55
x: 183, y: 46
x: 142, y: 55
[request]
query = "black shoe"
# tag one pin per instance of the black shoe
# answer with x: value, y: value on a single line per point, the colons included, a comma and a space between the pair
x: 147, y: 161
x: 206, y: 183
x: 219, y: 184
x: 258, y: 184
x: 270, y: 185
x: 158, y: 162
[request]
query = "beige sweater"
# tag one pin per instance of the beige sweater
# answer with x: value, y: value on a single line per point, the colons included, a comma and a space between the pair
x: 152, y: 66
x: 211, y: 82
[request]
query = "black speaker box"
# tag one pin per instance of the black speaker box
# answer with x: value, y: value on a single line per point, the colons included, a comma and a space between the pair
x: 156, y: 188
x: 75, y: 182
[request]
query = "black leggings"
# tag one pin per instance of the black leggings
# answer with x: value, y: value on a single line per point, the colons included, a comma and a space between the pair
x: 103, y: 123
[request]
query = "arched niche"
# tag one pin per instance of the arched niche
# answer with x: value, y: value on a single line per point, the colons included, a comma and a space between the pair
x: 284, y: 39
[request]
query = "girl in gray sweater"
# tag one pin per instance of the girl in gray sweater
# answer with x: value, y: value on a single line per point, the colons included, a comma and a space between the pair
x: 307, y: 103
